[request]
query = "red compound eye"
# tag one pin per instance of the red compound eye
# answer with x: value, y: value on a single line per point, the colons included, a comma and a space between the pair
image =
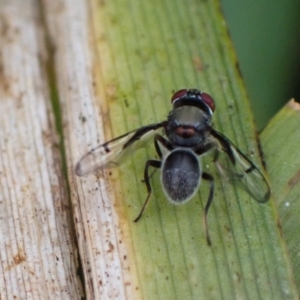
x: 209, y: 101
x: 179, y: 94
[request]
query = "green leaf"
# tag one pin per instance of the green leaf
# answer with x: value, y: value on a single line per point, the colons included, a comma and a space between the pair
x: 280, y: 140
x: 146, y: 51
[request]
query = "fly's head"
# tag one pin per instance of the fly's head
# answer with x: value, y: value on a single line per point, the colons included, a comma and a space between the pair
x: 189, y: 122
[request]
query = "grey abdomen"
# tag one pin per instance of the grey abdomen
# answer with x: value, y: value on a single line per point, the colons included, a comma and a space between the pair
x: 181, y: 174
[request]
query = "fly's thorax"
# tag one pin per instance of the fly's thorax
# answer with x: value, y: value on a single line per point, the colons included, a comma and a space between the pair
x: 180, y: 175
x: 188, y: 126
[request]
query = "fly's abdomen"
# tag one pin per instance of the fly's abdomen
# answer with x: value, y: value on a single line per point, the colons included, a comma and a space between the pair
x: 181, y: 174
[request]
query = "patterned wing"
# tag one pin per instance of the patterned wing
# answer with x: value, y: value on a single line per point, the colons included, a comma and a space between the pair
x: 240, y: 170
x: 113, y: 153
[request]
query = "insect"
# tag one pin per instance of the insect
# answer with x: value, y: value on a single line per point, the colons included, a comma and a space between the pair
x: 180, y: 142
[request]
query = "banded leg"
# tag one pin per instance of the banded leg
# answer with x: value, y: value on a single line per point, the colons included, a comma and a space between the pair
x: 154, y: 164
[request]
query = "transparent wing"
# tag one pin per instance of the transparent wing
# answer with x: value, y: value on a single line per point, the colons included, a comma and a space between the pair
x: 234, y: 165
x: 112, y: 153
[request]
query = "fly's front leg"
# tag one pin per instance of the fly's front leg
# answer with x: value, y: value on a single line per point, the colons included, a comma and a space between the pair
x: 154, y: 164
x: 209, y: 178
x: 165, y: 143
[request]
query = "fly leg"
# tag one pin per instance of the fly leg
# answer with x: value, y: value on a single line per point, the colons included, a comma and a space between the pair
x: 165, y: 143
x: 154, y: 164
x: 209, y: 178
x: 205, y: 148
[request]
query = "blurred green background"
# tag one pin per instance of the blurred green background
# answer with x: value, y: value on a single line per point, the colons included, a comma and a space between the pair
x: 266, y: 37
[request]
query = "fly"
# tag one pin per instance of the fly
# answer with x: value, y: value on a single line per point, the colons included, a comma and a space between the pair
x: 180, y: 141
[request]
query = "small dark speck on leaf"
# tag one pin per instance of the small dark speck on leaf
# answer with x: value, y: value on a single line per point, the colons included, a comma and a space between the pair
x: 295, y: 179
x: 19, y: 258
x: 228, y: 229
x: 82, y: 118
x: 238, y: 275
x: 279, y: 227
x: 126, y: 102
x: 111, y: 247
